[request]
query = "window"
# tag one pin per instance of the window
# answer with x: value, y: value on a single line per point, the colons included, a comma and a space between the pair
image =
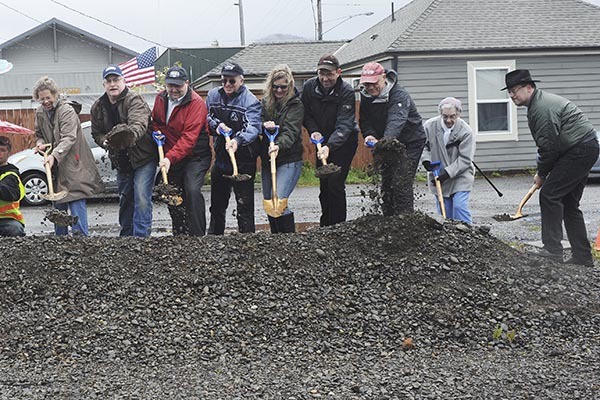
x: 493, y: 115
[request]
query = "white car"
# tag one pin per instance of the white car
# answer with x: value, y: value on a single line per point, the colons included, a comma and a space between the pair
x: 33, y: 174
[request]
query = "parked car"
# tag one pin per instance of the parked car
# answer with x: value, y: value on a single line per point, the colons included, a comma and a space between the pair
x: 595, y: 171
x: 33, y: 174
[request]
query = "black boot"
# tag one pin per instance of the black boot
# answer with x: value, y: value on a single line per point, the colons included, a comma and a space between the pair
x: 286, y: 223
x: 274, y: 224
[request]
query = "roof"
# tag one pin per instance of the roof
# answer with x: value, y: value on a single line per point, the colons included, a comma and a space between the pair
x: 471, y: 25
x: 69, y: 30
x: 260, y: 58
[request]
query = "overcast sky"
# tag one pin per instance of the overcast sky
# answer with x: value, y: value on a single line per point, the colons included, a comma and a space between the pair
x: 196, y: 23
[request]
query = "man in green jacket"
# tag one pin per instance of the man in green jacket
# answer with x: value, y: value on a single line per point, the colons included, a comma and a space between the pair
x: 567, y: 149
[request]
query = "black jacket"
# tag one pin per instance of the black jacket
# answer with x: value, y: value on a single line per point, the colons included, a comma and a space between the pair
x: 332, y: 114
x: 393, y: 114
x: 289, y: 118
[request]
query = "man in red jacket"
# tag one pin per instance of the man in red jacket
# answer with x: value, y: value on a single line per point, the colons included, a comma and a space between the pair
x: 180, y: 114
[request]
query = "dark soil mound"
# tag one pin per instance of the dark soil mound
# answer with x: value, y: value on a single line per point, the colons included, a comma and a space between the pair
x: 317, y: 314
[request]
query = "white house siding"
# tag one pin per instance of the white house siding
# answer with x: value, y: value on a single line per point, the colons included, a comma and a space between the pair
x: 428, y: 80
x: 78, y: 65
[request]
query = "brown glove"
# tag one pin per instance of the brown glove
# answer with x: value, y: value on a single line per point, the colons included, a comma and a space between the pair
x: 120, y: 137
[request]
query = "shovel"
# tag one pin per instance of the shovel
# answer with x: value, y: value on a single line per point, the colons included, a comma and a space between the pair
x: 51, y: 196
x: 325, y: 170
x: 437, y: 165
x: 167, y: 193
x: 236, y: 176
x: 519, y: 213
x: 275, y: 206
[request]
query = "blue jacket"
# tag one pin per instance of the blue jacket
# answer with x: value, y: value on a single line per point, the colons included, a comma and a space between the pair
x: 241, y: 112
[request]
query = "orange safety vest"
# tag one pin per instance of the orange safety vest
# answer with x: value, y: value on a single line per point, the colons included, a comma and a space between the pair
x: 10, y: 209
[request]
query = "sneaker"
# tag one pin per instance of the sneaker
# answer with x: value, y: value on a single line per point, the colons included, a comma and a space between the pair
x: 546, y: 254
x: 586, y: 263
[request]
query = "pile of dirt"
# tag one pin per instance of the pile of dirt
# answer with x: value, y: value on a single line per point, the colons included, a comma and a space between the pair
x: 318, y: 314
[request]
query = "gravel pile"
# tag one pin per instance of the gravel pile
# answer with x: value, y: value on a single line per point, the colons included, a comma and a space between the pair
x: 378, y: 308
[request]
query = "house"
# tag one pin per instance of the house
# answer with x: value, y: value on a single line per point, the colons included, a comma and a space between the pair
x: 463, y: 48
x: 73, y: 57
x: 197, y: 62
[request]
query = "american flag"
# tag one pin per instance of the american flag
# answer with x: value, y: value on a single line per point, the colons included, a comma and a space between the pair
x: 140, y: 70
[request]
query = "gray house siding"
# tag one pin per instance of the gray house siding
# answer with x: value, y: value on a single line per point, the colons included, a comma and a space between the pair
x: 77, y: 66
x: 428, y: 80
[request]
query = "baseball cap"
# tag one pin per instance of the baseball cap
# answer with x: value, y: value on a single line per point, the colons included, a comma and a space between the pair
x: 111, y: 70
x: 176, y: 76
x: 328, y: 62
x: 232, y: 69
x: 371, y: 72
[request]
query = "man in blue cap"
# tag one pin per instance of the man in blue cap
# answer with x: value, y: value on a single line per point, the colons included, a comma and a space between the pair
x: 567, y: 150
x: 121, y: 124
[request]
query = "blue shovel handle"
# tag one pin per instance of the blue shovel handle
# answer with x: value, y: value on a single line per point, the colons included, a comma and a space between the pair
x: 370, y: 144
x: 270, y: 135
x: 224, y: 132
x: 317, y: 141
x: 159, y: 138
x: 436, y: 165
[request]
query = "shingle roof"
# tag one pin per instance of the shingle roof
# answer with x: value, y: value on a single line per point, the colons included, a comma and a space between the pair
x: 459, y: 25
x: 260, y: 58
x: 70, y: 30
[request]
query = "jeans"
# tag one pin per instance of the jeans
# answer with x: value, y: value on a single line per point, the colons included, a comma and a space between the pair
x: 135, y: 200
x: 189, y: 218
x: 456, y: 206
x: 78, y: 209
x: 287, y: 178
x: 333, y: 190
x: 220, y: 190
x: 11, y: 227
x: 559, y: 200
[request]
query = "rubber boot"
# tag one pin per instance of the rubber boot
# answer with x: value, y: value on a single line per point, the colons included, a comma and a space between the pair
x: 286, y: 223
x: 274, y: 224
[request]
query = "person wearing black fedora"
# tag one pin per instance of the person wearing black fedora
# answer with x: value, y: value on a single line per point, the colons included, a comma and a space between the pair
x: 567, y: 149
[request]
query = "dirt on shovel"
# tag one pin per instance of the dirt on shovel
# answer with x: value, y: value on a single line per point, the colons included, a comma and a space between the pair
x: 326, y: 171
x: 60, y: 217
x: 168, y: 194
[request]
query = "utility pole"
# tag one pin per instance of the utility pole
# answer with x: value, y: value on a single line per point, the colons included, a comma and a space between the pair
x: 242, y: 38
x: 319, y: 21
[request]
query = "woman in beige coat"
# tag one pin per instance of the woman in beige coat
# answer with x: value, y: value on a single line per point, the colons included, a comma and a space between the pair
x: 71, y: 160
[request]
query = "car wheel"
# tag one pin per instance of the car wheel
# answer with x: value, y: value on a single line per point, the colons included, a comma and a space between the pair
x: 35, y: 186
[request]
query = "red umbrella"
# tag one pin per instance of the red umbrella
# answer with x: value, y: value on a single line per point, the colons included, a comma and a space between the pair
x: 7, y: 127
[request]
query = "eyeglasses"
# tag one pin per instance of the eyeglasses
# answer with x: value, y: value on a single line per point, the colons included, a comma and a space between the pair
x: 514, y: 90
x: 450, y: 117
x: 230, y: 81
x: 279, y: 87
x: 116, y: 79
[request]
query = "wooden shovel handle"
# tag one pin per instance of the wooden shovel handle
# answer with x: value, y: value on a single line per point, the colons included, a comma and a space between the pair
x: 231, y: 156
x: 323, y: 160
x: 273, y: 173
x: 526, y: 198
x: 440, y: 195
x: 163, y: 170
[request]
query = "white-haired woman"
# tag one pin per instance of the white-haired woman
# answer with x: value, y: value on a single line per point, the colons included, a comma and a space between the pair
x: 281, y: 106
x: 72, y: 161
x: 450, y: 141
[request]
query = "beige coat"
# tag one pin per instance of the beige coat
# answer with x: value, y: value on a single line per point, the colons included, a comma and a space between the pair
x: 75, y: 169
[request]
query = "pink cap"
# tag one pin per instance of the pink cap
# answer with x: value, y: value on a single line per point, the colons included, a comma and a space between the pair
x: 371, y: 72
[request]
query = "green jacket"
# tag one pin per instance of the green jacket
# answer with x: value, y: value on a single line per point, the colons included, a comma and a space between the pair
x: 556, y: 125
x: 289, y: 118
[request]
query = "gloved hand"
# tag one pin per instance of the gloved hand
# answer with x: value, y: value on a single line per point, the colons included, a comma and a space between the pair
x: 427, y: 165
x: 120, y: 137
x: 442, y: 176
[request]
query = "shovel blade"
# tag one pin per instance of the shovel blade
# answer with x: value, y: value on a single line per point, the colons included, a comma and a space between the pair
x: 55, y: 196
x: 327, y: 171
x: 507, y: 217
x: 275, y: 207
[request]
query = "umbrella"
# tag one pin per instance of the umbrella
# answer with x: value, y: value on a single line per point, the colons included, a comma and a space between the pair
x: 7, y: 127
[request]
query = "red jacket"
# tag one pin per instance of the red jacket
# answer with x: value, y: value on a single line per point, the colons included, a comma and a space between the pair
x: 186, y: 124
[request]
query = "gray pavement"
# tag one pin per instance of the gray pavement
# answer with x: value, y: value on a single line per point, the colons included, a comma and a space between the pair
x: 304, y: 201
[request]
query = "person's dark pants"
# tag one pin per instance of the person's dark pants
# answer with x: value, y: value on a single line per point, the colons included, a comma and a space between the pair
x: 189, y: 218
x: 11, y: 227
x: 559, y: 200
x: 333, y: 189
x: 220, y: 191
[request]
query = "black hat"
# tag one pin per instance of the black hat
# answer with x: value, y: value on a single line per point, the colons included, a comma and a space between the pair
x: 176, y: 76
x: 517, y: 77
x: 232, y: 69
x: 328, y: 62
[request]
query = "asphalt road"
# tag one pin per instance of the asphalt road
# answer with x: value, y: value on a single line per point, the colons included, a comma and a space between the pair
x: 485, y: 203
